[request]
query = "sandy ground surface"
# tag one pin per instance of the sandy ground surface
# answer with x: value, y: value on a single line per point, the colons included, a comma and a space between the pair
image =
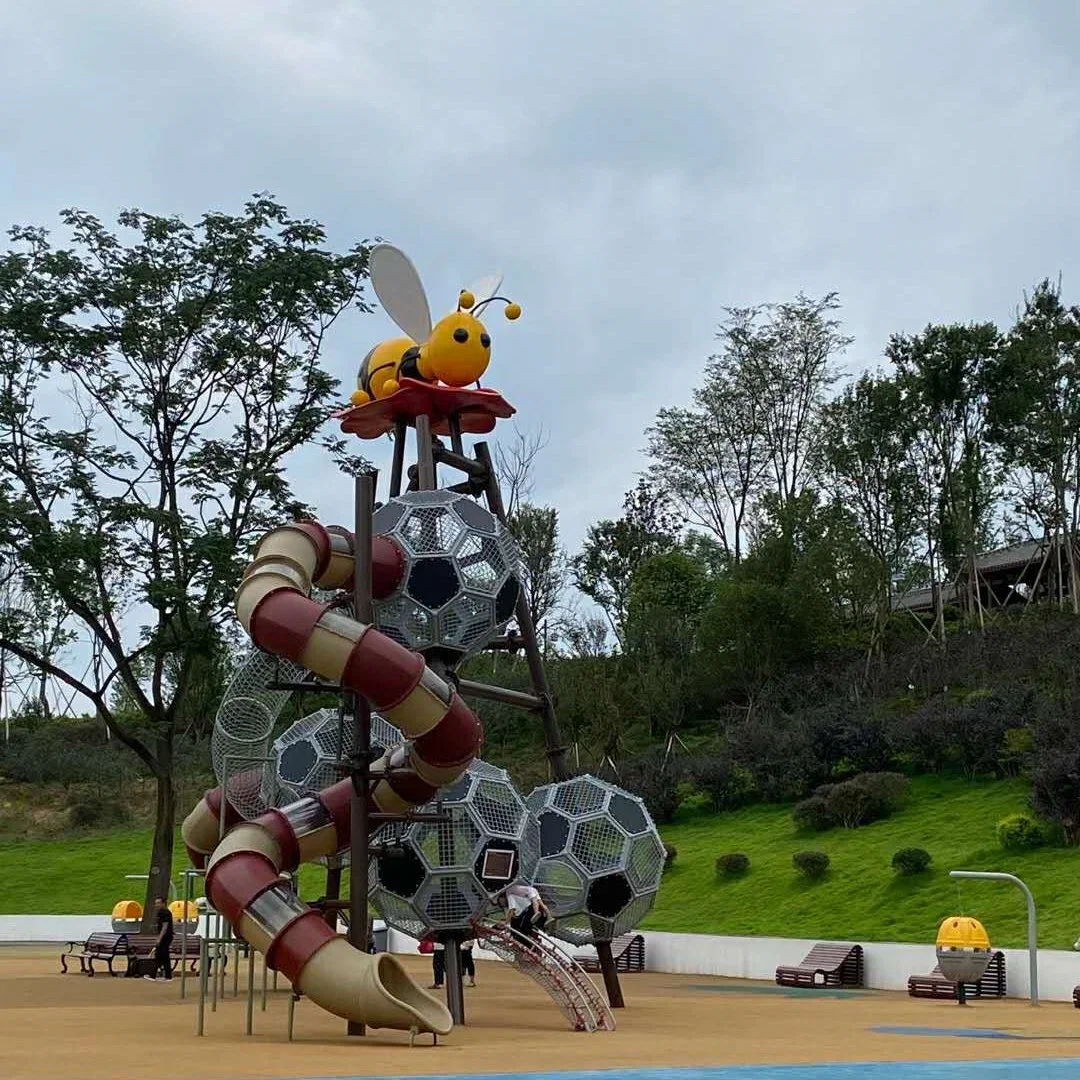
x: 108, y: 1029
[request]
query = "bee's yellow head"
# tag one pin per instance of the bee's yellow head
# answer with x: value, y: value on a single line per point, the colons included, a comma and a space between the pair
x: 459, y: 349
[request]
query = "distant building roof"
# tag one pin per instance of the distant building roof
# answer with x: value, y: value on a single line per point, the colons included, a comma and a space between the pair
x: 1008, y: 557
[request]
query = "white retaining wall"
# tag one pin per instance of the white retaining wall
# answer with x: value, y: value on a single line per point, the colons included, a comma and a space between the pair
x: 887, y: 965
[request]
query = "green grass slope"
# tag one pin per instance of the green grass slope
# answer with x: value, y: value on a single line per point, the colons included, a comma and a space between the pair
x: 83, y: 875
x: 862, y: 898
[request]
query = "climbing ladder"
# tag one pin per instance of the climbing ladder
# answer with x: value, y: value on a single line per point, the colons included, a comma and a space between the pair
x: 562, y: 978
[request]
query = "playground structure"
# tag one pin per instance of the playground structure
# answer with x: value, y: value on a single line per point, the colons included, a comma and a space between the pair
x: 384, y: 614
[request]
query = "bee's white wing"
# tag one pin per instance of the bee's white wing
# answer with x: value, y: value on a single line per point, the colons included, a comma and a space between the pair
x: 398, y: 287
x: 486, y: 287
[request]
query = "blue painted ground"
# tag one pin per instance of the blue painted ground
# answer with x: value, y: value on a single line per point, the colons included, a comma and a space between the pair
x: 1044, y: 1069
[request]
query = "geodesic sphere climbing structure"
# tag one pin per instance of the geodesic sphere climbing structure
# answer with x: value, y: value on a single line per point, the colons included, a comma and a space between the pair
x: 462, y: 573
x: 601, y: 858
x: 442, y: 875
x: 305, y: 758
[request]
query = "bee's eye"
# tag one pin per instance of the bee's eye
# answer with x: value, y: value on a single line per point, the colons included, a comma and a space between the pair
x: 485, y: 340
x: 461, y: 334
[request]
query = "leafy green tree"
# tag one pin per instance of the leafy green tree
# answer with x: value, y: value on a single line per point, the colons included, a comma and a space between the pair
x: 792, y: 370
x: 865, y: 465
x: 543, y: 561
x: 1033, y: 387
x: 152, y: 387
x: 942, y: 376
x: 710, y: 459
x: 613, y: 550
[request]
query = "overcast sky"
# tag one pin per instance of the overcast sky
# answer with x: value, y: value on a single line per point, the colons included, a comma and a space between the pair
x: 632, y: 168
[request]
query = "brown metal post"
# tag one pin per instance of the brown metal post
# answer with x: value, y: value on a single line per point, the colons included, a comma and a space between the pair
x: 358, y: 810
x: 610, y: 973
x: 398, y: 463
x: 556, y: 752
x: 425, y: 459
x: 333, y: 891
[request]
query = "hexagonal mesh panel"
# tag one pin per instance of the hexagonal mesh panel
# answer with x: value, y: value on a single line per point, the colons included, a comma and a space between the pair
x: 445, y: 876
x: 243, y: 730
x: 461, y: 577
x: 601, y: 858
x: 306, y: 755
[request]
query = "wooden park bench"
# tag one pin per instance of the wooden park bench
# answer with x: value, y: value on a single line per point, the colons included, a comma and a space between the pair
x: 142, y: 949
x: 104, y: 947
x: 935, y: 985
x: 628, y: 952
x: 826, y: 964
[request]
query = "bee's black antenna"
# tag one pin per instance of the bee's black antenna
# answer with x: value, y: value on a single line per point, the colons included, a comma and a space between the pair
x: 484, y: 303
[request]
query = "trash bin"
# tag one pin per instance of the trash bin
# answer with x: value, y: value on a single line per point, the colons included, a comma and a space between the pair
x: 381, y: 933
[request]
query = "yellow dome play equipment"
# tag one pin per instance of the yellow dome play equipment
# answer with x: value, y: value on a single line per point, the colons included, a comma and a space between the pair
x: 127, y: 917
x: 182, y: 908
x: 963, y: 951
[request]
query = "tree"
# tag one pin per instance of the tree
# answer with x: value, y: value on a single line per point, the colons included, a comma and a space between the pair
x: 792, y: 368
x: 543, y: 562
x: 865, y: 465
x: 613, y: 550
x: 1033, y: 389
x: 753, y: 419
x: 710, y: 460
x: 190, y: 358
x: 514, y: 463
x: 942, y: 372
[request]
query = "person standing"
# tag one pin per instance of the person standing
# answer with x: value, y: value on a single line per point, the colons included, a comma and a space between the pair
x: 468, y: 965
x: 163, y: 946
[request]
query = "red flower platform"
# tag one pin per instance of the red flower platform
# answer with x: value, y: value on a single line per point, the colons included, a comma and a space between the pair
x: 476, y: 410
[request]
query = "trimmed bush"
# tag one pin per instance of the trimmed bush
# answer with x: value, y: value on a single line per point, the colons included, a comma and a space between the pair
x: 734, y: 864
x: 859, y: 801
x: 1018, y: 832
x: 811, y: 864
x: 670, y: 853
x: 911, y: 860
x: 814, y: 813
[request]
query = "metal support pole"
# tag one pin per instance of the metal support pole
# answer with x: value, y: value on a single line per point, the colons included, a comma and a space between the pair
x: 455, y: 995
x: 251, y: 991
x: 216, y: 973
x: 501, y: 694
x: 204, y: 963
x: 556, y: 752
x: 455, y: 435
x: 263, y: 984
x: 610, y: 973
x: 425, y: 458
x: 358, y: 810
x: 398, y: 463
x: 1032, y: 927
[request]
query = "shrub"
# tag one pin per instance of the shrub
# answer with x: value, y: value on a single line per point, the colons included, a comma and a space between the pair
x: 1018, y: 832
x: 813, y: 813
x: 734, y: 864
x: 670, y: 853
x: 911, y: 860
x: 862, y: 799
x: 811, y: 864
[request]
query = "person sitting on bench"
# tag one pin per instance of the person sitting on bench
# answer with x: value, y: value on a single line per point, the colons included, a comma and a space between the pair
x: 162, y: 961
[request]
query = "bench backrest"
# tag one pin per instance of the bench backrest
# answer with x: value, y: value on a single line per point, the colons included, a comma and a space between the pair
x: 623, y: 942
x: 105, y: 942
x: 828, y: 956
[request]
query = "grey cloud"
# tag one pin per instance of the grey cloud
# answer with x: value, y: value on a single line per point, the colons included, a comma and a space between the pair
x: 632, y: 167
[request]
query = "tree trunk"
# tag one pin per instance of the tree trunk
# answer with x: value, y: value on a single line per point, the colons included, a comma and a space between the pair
x: 161, y: 855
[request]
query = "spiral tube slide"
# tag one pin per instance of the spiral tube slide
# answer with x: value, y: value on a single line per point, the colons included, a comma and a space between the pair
x: 243, y: 872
